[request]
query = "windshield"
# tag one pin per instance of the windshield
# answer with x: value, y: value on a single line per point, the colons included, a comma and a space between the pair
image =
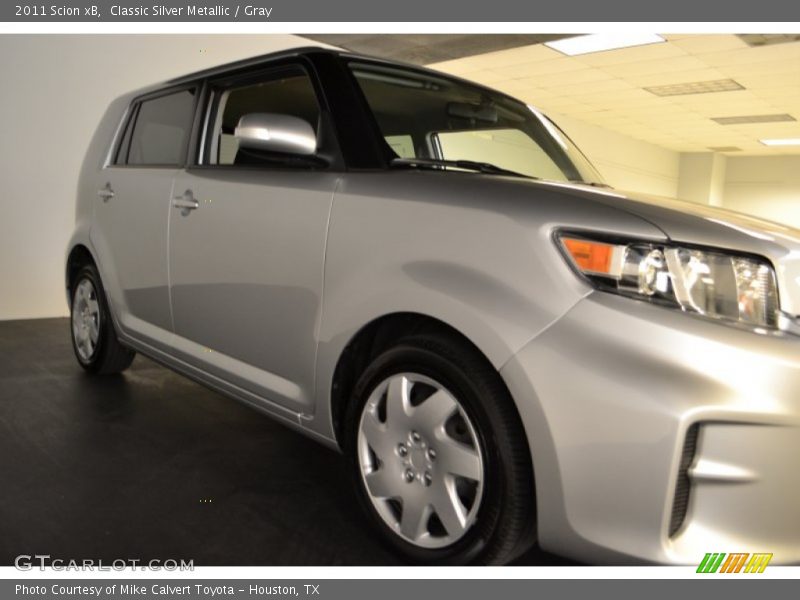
x: 424, y: 116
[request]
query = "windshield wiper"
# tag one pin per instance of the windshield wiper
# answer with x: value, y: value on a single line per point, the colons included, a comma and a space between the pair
x: 469, y: 165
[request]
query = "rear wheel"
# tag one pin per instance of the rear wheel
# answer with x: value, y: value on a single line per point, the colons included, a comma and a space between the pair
x: 438, y: 455
x: 93, y: 337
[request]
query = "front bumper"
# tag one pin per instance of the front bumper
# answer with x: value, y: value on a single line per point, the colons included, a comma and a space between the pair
x: 608, y: 396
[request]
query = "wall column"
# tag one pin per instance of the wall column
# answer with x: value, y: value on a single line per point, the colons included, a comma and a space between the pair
x: 701, y: 177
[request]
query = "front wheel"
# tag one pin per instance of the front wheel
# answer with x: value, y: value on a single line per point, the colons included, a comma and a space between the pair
x: 438, y: 455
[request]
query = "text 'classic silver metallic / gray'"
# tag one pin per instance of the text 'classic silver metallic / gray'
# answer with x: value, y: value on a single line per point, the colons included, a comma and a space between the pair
x: 429, y: 276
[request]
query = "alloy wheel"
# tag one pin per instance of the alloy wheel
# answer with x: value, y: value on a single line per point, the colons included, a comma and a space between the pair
x: 85, y: 319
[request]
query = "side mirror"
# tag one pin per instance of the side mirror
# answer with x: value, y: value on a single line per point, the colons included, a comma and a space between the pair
x: 276, y: 133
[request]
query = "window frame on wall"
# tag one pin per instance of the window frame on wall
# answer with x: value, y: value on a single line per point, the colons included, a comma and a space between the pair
x: 121, y: 153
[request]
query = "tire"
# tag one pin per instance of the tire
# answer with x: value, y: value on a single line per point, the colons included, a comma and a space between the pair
x: 479, y: 476
x: 94, y: 340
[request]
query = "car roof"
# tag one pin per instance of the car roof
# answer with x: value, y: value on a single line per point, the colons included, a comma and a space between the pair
x: 300, y: 51
x: 253, y: 61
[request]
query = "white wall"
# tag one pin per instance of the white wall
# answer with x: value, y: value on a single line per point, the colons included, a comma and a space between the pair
x: 767, y: 186
x: 702, y: 177
x: 54, y: 91
x: 626, y: 163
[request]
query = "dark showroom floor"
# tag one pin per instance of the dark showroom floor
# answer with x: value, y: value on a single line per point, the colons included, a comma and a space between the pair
x: 151, y: 465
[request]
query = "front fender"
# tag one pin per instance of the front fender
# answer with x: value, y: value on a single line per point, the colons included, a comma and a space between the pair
x: 472, y: 251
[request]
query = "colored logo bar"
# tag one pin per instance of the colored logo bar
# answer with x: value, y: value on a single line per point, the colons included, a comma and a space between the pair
x: 720, y: 562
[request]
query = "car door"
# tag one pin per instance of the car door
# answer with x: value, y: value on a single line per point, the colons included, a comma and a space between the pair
x: 247, y: 245
x: 129, y: 230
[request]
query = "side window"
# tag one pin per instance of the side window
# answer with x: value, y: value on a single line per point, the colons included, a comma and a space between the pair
x: 402, y: 145
x: 160, y: 132
x: 288, y: 91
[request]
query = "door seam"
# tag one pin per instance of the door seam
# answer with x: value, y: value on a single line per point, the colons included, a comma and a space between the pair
x: 169, y: 251
x: 318, y: 329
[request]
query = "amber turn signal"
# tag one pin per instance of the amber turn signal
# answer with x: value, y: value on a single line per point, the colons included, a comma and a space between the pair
x: 589, y: 256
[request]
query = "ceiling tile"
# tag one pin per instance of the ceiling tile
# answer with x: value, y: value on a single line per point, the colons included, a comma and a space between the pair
x: 484, y: 76
x: 768, y: 130
x: 545, y: 67
x: 583, y: 76
x: 607, y: 85
x: 703, y: 44
x: 761, y: 80
x: 749, y: 55
x: 678, y: 36
x: 651, y: 67
x: 629, y: 55
x: 655, y: 77
x: 515, y: 56
x: 787, y: 68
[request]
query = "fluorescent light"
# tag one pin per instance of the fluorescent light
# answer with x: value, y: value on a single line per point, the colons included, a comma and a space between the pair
x: 600, y: 42
x: 781, y: 142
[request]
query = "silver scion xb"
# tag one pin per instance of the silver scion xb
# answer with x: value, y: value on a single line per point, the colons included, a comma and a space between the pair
x: 428, y: 275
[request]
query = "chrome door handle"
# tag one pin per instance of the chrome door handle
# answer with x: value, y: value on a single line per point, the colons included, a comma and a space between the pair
x: 106, y: 193
x: 181, y: 202
x: 185, y: 202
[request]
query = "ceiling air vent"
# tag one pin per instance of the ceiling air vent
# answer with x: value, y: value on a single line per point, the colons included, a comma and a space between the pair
x: 768, y: 39
x: 697, y: 87
x: 746, y: 119
x: 725, y: 148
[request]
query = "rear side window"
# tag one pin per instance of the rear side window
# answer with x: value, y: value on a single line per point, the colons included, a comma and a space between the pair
x: 159, y: 132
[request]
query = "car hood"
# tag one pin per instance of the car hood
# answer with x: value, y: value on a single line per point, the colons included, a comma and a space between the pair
x: 703, y: 225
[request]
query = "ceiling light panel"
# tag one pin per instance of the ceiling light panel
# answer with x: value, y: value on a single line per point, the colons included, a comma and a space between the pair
x: 781, y: 142
x: 747, y: 119
x: 697, y: 87
x: 602, y: 42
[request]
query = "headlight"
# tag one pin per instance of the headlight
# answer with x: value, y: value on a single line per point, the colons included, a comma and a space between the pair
x: 715, y: 284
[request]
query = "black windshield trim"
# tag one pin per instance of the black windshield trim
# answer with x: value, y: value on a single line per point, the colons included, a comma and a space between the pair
x: 471, y: 165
